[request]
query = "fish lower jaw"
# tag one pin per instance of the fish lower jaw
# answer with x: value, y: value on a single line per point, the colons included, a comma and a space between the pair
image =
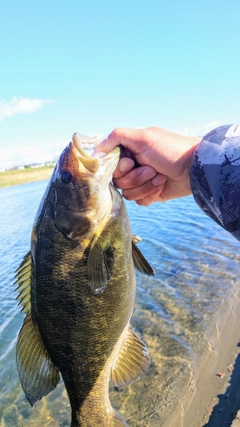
x: 103, y: 209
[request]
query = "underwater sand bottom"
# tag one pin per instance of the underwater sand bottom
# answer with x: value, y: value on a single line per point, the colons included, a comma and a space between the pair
x: 215, y: 398
x: 176, y: 392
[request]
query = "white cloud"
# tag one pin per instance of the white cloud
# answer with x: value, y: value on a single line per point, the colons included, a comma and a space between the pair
x: 21, y: 106
x: 199, y: 130
x: 25, y: 155
x: 203, y: 129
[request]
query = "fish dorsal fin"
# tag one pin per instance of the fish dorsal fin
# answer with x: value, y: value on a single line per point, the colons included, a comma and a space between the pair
x: 38, y: 375
x: 132, y: 361
x: 24, y: 279
x: 99, y: 266
x: 140, y: 262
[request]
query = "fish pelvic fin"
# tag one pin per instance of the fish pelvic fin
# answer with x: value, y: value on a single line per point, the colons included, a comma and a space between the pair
x: 37, y: 374
x: 140, y: 262
x: 117, y: 420
x: 133, y: 360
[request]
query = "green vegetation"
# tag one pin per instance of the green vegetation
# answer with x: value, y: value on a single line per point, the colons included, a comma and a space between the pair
x: 15, y: 177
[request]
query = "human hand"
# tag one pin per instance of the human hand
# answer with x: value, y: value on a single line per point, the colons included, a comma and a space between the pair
x: 155, y: 163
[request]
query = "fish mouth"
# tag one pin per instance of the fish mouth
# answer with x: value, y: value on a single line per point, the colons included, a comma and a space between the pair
x: 95, y: 160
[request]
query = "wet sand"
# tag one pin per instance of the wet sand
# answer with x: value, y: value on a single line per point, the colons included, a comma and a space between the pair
x: 215, y: 398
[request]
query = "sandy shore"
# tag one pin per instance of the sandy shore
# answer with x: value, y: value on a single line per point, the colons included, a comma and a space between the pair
x: 215, y: 399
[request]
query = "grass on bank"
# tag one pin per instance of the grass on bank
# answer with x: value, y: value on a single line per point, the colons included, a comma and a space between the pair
x: 16, y: 177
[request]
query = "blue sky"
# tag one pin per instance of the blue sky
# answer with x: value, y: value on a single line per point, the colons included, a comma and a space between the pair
x: 89, y: 66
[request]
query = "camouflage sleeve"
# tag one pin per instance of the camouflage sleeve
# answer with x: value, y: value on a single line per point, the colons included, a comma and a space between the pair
x: 215, y: 177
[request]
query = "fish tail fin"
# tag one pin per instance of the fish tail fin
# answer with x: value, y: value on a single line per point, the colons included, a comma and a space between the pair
x: 117, y: 420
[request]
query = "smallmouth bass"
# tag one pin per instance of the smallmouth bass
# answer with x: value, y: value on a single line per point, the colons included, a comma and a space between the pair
x: 77, y: 289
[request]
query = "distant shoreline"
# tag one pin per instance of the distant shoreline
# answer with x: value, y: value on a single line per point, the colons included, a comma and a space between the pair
x: 17, y: 177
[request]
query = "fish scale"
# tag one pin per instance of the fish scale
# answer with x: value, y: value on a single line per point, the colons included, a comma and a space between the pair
x: 77, y: 288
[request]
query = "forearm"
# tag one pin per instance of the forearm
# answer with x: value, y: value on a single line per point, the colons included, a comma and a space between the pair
x: 215, y: 177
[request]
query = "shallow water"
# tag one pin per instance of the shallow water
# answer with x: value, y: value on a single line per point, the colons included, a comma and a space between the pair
x: 176, y: 312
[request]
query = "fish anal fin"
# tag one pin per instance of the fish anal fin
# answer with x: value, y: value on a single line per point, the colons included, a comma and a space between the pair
x: 23, y: 281
x: 38, y: 375
x: 140, y: 262
x: 100, y: 265
x: 133, y: 360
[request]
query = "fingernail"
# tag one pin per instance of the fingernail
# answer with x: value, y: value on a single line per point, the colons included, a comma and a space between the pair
x: 125, y: 164
x: 159, y: 180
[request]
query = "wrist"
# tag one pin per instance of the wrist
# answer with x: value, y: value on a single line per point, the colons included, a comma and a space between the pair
x: 182, y: 180
x: 194, y: 143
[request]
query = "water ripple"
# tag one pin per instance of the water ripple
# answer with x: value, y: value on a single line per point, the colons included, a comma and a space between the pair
x: 197, y: 268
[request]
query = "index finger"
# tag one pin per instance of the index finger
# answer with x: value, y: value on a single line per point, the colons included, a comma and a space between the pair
x: 132, y: 139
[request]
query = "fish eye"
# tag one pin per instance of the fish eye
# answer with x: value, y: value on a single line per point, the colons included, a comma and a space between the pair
x: 66, y: 177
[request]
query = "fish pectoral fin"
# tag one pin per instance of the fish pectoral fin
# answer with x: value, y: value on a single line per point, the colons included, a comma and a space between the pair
x: 38, y: 375
x: 99, y: 266
x: 23, y: 281
x: 136, y: 239
x: 140, y: 262
x: 132, y: 361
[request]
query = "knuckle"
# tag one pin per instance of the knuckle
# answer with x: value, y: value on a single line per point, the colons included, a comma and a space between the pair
x: 116, y: 133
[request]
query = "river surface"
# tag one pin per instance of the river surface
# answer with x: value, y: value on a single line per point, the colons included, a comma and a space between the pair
x: 176, y: 312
